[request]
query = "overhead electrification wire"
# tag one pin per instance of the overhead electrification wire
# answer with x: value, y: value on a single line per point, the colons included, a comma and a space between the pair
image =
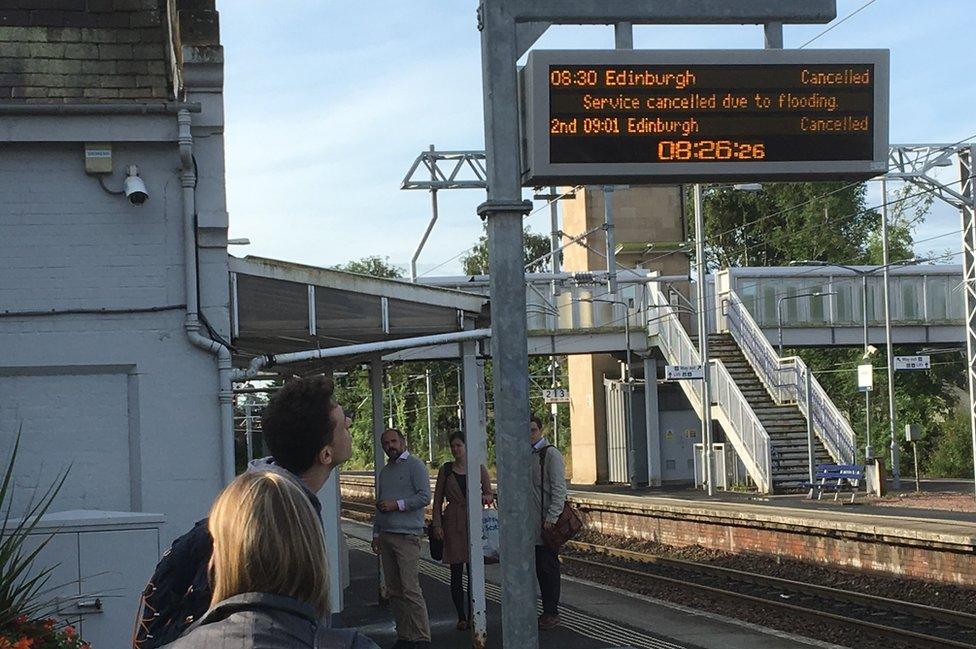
x: 712, y: 238
x: 840, y: 22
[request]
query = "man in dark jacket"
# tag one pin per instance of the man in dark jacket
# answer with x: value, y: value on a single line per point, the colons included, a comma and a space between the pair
x: 307, y: 434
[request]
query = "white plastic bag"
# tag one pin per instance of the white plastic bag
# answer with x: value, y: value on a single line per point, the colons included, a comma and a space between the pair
x: 489, y: 534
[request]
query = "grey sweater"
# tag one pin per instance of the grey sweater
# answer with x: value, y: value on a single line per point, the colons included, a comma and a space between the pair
x: 405, y: 480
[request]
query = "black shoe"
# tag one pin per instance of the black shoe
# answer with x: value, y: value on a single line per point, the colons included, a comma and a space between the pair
x: 421, y: 644
x: 403, y: 644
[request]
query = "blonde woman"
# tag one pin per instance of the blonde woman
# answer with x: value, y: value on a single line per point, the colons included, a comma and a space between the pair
x: 268, y: 571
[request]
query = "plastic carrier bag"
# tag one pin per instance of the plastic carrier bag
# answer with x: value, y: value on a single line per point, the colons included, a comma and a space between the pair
x: 489, y: 534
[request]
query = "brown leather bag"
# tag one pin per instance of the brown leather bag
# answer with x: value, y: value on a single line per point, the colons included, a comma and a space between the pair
x: 569, y: 522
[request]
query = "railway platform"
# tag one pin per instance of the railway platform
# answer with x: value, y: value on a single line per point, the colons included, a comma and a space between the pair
x: 922, y: 544
x: 593, y: 616
x: 928, y: 545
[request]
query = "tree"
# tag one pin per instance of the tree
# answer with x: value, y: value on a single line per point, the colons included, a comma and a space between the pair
x: 374, y: 265
x: 951, y: 453
x: 785, y: 222
x: 906, y: 210
x: 535, y: 245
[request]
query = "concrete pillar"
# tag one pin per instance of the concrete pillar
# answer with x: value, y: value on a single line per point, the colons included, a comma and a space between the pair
x: 649, y: 226
x: 588, y: 415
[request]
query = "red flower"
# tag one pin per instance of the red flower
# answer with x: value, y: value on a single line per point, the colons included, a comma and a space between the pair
x: 24, y: 643
x: 69, y: 631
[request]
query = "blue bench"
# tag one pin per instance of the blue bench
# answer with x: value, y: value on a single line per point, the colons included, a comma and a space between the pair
x: 837, y: 478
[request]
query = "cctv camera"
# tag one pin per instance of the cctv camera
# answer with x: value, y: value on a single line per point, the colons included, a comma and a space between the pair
x: 870, y: 351
x: 134, y: 188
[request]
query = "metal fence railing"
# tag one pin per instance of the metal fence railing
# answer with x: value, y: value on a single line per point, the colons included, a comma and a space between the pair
x: 785, y: 378
x: 742, y: 427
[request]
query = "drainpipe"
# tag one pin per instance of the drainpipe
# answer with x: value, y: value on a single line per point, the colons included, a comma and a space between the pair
x: 191, y: 324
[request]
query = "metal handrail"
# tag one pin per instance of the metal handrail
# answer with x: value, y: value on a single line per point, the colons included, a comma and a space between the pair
x: 785, y: 378
x: 829, y: 424
x: 742, y: 427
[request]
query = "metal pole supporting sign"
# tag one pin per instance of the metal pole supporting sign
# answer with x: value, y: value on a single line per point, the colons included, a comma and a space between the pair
x: 706, y: 398
x: 508, y: 29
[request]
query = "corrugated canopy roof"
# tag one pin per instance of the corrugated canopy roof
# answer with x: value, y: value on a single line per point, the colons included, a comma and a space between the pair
x: 279, y: 307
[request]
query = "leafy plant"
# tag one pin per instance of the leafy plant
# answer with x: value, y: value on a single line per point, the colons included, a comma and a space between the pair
x: 40, y: 634
x: 23, y: 590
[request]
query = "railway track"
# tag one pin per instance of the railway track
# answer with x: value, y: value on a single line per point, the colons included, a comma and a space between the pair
x: 906, y: 622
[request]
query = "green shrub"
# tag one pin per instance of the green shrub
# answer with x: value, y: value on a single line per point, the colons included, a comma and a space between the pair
x: 24, y: 592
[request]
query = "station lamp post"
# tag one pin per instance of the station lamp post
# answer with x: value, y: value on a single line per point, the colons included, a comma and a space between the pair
x: 703, y: 327
x: 864, y: 273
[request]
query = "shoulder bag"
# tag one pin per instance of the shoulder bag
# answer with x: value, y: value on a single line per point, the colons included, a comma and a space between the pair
x: 437, y: 545
x: 569, y: 522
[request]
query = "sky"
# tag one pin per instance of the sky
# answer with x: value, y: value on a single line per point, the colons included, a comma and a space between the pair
x: 327, y: 107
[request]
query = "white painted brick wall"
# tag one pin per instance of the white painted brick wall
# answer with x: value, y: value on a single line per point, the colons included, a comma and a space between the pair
x: 79, y: 424
x: 124, y: 397
x: 64, y: 243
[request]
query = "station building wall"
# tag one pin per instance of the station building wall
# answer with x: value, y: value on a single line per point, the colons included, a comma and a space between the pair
x: 122, y: 399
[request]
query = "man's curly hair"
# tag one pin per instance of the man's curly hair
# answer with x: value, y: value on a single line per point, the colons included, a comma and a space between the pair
x: 296, y: 422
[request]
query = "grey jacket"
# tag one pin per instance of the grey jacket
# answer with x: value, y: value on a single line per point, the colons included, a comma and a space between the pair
x: 549, y: 491
x: 265, y: 621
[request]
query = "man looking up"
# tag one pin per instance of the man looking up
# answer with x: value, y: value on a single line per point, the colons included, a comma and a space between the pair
x: 403, y: 492
x: 307, y: 433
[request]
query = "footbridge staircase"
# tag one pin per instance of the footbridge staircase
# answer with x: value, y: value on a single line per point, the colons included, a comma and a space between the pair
x: 761, y: 401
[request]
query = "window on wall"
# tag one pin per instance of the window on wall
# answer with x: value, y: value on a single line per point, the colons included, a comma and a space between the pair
x: 769, y: 302
x: 845, y: 302
x: 910, y: 298
x: 749, y: 295
x: 791, y: 308
x: 937, y: 298
x: 956, y: 300
x: 818, y: 305
x: 874, y: 299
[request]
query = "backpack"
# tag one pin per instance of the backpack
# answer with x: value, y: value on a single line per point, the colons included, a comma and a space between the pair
x: 178, y: 593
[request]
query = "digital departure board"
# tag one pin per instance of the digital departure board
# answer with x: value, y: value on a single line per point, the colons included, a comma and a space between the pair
x: 659, y: 116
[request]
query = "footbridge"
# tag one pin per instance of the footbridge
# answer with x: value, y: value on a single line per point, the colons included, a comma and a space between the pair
x: 820, y: 306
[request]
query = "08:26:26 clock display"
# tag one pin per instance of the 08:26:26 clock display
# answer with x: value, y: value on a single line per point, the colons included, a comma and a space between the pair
x: 678, y: 150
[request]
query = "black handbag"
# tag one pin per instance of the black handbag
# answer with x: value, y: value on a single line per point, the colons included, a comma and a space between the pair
x: 436, y: 545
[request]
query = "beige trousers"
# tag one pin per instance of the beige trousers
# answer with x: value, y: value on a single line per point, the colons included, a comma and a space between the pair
x: 400, y: 554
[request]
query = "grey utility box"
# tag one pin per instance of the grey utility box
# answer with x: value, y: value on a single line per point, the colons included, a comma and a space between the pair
x: 102, y: 561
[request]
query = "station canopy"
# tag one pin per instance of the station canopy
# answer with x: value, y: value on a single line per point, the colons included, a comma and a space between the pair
x: 279, y: 307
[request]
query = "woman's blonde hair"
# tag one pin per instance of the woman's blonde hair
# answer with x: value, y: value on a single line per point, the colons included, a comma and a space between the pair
x: 268, y: 539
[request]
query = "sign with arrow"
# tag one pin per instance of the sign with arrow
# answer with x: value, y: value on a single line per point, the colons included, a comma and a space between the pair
x: 913, y: 362
x: 683, y: 373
